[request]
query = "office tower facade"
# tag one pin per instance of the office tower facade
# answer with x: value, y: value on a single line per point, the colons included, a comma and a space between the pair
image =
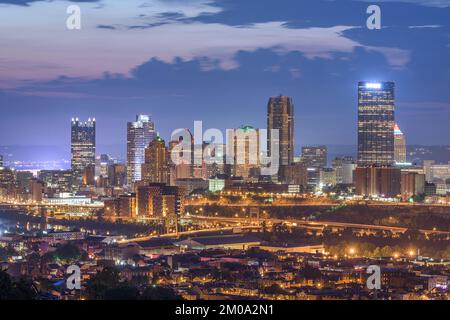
x: 36, y: 188
x: 378, y: 181
x: 344, y: 167
x: 245, y: 150
x: 181, y: 156
x: 117, y: 175
x: 399, y: 145
x: 56, y: 181
x: 155, y: 168
x: 139, y: 135
x: 296, y: 174
x: 159, y: 200
x: 412, y: 184
x: 82, y: 148
x: 376, y: 104
x: 314, y: 156
x: 327, y: 177
x: 280, y: 116
x: 123, y: 206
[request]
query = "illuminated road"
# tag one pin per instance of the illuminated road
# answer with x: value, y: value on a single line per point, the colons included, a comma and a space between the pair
x: 318, y: 224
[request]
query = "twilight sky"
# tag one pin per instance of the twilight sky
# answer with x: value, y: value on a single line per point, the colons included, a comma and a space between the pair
x: 219, y: 61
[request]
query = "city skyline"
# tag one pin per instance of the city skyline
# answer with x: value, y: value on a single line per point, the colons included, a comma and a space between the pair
x: 408, y: 50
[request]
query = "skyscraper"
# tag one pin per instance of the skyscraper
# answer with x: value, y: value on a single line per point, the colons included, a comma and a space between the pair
x: 82, y: 147
x: 314, y: 157
x: 280, y: 116
x: 155, y: 169
x: 399, y: 145
x: 376, y: 123
x: 139, y: 135
x: 245, y: 150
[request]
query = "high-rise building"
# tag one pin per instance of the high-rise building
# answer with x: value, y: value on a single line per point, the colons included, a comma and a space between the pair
x: 155, y: 169
x: 314, y: 157
x: 327, y: 177
x: 83, y: 147
x: 344, y: 167
x: 245, y: 150
x: 399, y: 145
x: 376, y: 103
x: 56, y: 181
x: 412, y: 184
x: 280, y: 116
x: 123, y: 206
x: 139, y: 135
x: 117, y: 175
x: 36, y: 188
x: 378, y: 181
x: 159, y: 200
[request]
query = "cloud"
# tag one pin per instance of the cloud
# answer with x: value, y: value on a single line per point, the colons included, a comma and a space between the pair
x: 106, y: 43
x: 428, y: 3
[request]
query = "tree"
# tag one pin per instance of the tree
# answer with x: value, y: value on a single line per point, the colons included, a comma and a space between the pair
x: 100, y: 283
x: 122, y: 292
x: 68, y: 252
x: 159, y: 293
x: 15, y: 290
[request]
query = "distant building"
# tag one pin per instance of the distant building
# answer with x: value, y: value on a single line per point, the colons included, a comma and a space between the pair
x: 280, y: 116
x: 23, y: 180
x: 117, y: 175
x: 430, y: 189
x: 88, y: 178
x: 376, y: 102
x: 296, y: 174
x: 216, y: 184
x: 344, y: 167
x: 155, y: 169
x: 123, y: 206
x: 1, y: 161
x: 412, y: 184
x: 314, y: 156
x: 193, y: 184
x: 159, y: 200
x: 56, y: 181
x: 245, y: 150
x: 399, y: 145
x: 83, y: 147
x: 139, y: 135
x: 327, y: 177
x: 181, y: 156
x: 36, y: 188
x: 378, y: 181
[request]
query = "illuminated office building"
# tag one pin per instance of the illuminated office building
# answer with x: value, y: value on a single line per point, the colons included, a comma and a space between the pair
x: 314, y: 158
x: 245, y: 150
x: 399, y: 145
x: 139, y: 135
x: 344, y: 167
x: 155, y: 168
x: 83, y: 147
x: 280, y: 116
x: 376, y: 123
x: 378, y: 181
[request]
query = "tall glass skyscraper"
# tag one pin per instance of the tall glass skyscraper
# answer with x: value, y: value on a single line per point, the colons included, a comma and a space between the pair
x: 399, y: 145
x: 82, y: 147
x: 139, y: 135
x: 280, y: 115
x: 376, y: 103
